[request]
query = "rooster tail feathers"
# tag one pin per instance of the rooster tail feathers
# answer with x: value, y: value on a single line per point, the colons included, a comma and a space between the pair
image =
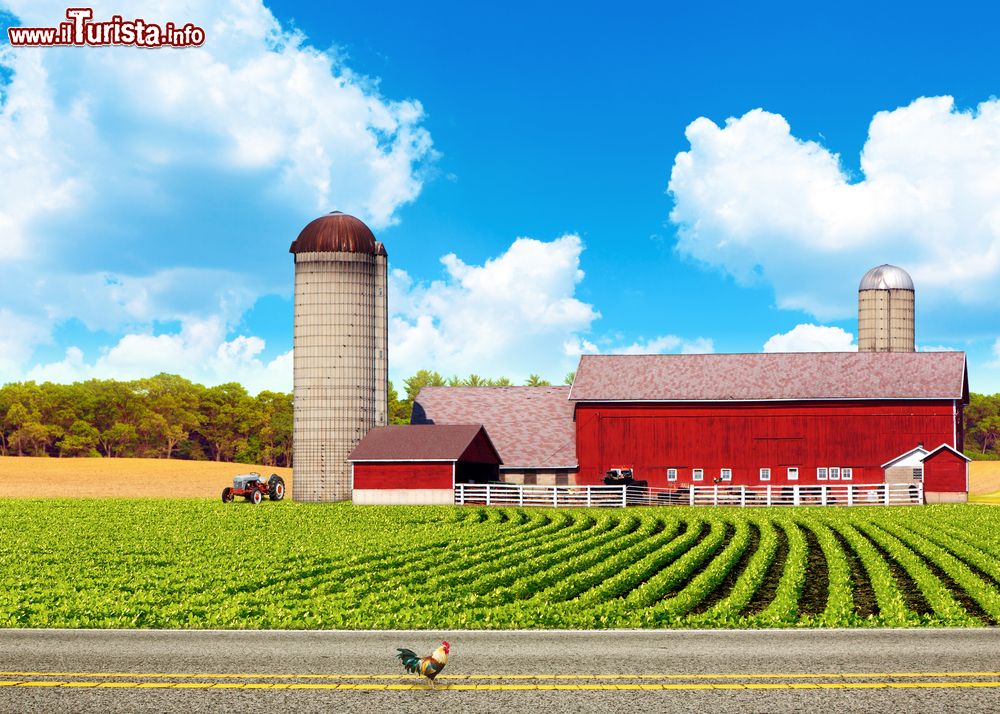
x: 410, y: 659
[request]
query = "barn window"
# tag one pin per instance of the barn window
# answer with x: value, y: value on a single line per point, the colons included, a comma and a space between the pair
x: 821, y: 474
x: 847, y: 473
x: 697, y: 474
x: 793, y: 473
x: 918, y: 473
x: 671, y: 474
x: 834, y: 473
x: 726, y: 474
x: 765, y: 474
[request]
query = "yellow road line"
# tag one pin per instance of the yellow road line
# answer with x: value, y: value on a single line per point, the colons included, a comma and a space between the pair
x: 768, y: 686
x: 540, y: 677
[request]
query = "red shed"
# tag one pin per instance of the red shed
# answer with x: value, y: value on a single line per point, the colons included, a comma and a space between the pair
x: 754, y: 419
x: 421, y: 463
x: 946, y: 476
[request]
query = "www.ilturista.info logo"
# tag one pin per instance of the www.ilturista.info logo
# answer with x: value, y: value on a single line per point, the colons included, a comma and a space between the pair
x: 81, y: 31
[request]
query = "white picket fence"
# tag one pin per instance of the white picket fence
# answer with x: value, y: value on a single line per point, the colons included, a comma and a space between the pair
x: 854, y: 494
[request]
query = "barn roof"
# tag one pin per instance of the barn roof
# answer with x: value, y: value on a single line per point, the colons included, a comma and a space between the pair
x: 532, y: 427
x: 772, y: 376
x: 452, y: 442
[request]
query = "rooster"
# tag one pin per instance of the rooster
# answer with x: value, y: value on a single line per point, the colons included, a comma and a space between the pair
x: 430, y: 666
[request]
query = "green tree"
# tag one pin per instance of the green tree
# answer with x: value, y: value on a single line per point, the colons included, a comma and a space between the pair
x: 988, y: 432
x: 423, y: 378
x: 535, y: 380
x: 118, y: 439
x: 568, y: 379
x: 80, y: 440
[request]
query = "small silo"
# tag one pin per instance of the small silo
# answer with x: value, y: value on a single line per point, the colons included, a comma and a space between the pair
x: 340, y: 360
x: 885, y: 310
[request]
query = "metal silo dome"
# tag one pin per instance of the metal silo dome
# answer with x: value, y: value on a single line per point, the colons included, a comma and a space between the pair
x: 886, y: 277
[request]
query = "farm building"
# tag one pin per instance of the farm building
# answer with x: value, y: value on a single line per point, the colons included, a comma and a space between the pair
x: 421, y: 464
x: 883, y: 415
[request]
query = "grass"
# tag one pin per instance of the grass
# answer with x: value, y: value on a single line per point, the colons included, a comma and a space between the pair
x: 200, y: 564
x: 32, y: 477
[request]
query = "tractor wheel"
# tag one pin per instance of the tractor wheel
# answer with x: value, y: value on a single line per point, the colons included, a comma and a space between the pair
x: 227, y: 494
x: 275, y: 487
x: 255, y: 497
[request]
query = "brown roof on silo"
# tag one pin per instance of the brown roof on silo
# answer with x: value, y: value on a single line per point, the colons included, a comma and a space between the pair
x: 336, y: 233
x: 530, y: 426
x: 771, y: 376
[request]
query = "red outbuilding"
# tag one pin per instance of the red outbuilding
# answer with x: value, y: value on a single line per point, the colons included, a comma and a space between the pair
x: 420, y: 464
x: 946, y: 475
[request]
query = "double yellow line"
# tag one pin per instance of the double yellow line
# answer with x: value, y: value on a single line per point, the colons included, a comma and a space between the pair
x: 510, y: 682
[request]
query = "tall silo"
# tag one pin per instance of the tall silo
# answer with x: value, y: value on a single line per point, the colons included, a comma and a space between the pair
x: 885, y: 310
x: 339, y: 351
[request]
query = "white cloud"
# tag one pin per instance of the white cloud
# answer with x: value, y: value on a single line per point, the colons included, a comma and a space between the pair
x: 513, y: 315
x: 761, y: 204
x: 199, y: 351
x: 665, y: 344
x: 996, y: 354
x: 812, y: 338
x: 151, y: 186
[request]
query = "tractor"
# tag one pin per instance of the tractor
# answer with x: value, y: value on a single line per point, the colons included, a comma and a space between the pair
x: 253, y: 488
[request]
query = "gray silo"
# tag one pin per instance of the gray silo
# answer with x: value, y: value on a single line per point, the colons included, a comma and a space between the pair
x: 340, y: 352
x: 885, y: 310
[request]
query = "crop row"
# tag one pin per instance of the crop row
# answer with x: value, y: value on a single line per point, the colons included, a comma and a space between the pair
x: 194, y: 564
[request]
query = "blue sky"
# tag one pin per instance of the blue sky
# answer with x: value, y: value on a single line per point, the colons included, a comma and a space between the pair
x: 516, y: 161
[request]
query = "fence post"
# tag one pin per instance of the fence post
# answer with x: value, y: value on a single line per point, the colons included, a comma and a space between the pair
x: 850, y: 495
x: 743, y: 496
x: 769, y: 494
x: 555, y: 496
x: 715, y: 495
x: 920, y: 493
x: 624, y: 496
x: 520, y: 495
x: 887, y: 494
x: 589, y: 500
x: 691, y: 495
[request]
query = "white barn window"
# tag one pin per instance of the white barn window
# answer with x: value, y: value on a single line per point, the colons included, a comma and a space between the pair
x: 821, y: 473
x: 698, y: 474
x: 793, y: 473
x: 834, y: 473
x: 671, y: 474
x: 847, y: 473
x: 765, y: 474
x: 726, y: 474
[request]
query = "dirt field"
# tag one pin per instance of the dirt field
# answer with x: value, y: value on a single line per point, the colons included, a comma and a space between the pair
x: 984, y: 477
x: 26, y: 477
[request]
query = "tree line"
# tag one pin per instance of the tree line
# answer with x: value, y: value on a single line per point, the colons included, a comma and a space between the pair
x: 165, y: 416
x: 982, y: 427
x: 168, y: 416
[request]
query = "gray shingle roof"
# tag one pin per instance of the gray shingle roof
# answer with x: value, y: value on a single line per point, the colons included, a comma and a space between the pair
x: 775, y: 376
x: 530, y: 426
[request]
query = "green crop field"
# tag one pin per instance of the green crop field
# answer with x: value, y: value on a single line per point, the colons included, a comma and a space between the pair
x: 200, y: 564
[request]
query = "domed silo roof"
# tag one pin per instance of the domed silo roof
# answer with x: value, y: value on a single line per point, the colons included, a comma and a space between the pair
x: 335, y: 233
x: 886, y: 277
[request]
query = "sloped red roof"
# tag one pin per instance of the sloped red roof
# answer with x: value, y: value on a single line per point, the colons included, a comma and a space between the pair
x: 426, y: 443
x: 774, y: 376
x: 530, y: 426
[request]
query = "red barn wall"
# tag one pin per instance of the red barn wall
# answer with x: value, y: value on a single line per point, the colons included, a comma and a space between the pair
x: 945, y: 472
x: 650, y: 438
x: 402, y: 475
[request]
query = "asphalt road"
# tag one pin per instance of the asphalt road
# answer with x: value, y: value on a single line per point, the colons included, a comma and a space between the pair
x: 610, y: 671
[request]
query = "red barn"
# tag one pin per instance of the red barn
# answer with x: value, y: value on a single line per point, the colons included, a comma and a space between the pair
x: 420, y: 464
x: 946, y: 475
x: 754, y: 419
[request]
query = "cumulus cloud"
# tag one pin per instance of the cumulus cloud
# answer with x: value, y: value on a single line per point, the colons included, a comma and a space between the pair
x: 812, y: 338
x: 761, y: 204
x: 143, y: 187
x: 200, y: 347
x: 511, y: 316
